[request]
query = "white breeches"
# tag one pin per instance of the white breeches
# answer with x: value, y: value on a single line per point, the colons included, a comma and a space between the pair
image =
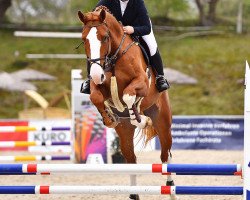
x: 151, y: 41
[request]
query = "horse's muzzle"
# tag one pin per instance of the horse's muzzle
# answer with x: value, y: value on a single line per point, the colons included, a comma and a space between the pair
x: 98, y: 80
x: 97, y: 74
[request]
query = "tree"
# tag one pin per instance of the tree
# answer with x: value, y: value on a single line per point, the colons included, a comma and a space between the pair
x: 239, y: 24
x: 29, y: 11
x: 209, y: 18
x: 85, y: 6
x: 4, y: 5
x: 162, y: 8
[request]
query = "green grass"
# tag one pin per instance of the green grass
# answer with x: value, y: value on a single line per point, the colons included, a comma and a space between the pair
x: 216, y: 61
x: 11, y: 103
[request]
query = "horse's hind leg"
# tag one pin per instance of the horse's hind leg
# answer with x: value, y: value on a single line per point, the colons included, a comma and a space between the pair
x: 126, y: 135
x: 163, y: 129
x: 162, y: 124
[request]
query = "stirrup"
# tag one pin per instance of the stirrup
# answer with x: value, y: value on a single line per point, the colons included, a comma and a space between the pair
x: 161, y: 83
x: 85, y: 87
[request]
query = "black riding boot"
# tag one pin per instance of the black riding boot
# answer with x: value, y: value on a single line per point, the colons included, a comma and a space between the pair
x: 85, y: 88
x: 156, y: 62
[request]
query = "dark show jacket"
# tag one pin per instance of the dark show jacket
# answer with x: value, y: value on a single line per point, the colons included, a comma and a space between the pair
x: 135, y: 15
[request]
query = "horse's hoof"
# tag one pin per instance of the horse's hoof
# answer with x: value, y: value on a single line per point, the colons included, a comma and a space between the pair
x: 145, y: 122
x: 134, y: 197
x: 149, y: 122
x: 110, y: 120
x: 170, y: 183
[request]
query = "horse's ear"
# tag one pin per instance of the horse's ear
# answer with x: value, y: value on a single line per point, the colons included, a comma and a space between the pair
x: 102, y: 16
x: 81, y: 16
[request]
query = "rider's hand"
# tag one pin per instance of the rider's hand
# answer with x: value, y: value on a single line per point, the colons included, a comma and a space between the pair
x: 128, y: 29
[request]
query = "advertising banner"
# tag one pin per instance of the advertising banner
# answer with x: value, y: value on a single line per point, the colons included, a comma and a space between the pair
x: 61, y: 134
x: 90, y: 133
x: 207, y: 132
x: 36, y: 131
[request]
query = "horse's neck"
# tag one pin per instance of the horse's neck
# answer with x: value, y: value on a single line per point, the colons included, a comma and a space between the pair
x: 117, y: 35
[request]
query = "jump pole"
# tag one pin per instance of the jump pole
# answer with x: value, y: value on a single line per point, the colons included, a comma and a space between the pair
x: 108, y: 190
x: 8, y: 144
x: 11, y: 129
x: 47, y: 34
x: 56, y: 56
x: 178, y: 169
x: 33, y: 158
x: 247, y: 135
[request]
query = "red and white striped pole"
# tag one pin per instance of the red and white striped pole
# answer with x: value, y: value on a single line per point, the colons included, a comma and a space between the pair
x: 178, y: 169
x: 109, y: 190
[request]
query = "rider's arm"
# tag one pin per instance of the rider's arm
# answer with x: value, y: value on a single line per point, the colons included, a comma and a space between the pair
x: 142, y: 24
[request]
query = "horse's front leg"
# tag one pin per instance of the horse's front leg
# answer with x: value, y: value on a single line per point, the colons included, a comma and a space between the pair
x: 136, y: 88
x: 126, y: 134
x: 97, y: 99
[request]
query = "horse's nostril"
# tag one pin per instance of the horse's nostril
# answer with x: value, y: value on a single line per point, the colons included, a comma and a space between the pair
x: 102, y: 77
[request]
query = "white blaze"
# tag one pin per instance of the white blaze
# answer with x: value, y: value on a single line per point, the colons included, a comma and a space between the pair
x: 96, y: 70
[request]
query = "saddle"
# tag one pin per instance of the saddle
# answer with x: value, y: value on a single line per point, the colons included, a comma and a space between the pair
x: 143, y: 49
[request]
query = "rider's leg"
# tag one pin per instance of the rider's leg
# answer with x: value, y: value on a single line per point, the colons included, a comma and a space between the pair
x: 85, y: 88
x: 156, y: 61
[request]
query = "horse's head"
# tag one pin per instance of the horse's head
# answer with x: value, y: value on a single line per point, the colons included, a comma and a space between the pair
x: 96, y: 37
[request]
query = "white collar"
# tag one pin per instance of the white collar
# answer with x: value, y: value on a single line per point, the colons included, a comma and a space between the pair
x: 123, y: 6
x: 124, y: 3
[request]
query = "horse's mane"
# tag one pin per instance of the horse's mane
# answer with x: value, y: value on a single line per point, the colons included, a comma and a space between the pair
x: 99, y: 8
x: 94, y: 15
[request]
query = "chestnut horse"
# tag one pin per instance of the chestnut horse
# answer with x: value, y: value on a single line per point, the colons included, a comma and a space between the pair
x: 122, y: 83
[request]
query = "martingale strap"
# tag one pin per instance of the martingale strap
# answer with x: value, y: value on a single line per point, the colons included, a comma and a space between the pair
x: 128, y: 47
x: 112, y: 61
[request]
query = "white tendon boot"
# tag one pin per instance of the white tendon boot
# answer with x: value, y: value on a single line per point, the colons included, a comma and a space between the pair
x: 145, y: 121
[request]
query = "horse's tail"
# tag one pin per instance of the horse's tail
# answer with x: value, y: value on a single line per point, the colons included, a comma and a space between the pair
x: 149, y: 132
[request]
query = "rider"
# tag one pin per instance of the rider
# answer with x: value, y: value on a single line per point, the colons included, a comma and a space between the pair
x: 134, y: 17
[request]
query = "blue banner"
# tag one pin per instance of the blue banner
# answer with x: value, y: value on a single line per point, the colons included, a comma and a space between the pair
x: 207, y: 132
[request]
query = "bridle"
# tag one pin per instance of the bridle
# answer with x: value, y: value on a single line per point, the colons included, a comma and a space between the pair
x: 96, y: 60
x: 109, y: 60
